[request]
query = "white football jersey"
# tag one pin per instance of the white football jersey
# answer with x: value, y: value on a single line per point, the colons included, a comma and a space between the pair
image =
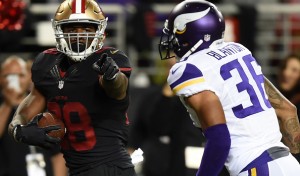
x: 230, y: 71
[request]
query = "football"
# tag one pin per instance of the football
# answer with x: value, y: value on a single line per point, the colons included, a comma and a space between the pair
x: 50, y: 119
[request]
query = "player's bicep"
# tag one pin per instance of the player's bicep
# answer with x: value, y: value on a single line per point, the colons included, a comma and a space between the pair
x: 32, y: 105
x: 280, y: 103
x: 208, y: 108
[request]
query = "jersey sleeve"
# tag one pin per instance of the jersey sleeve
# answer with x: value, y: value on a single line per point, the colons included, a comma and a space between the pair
x: 186, y: 79
x: 121, y: 60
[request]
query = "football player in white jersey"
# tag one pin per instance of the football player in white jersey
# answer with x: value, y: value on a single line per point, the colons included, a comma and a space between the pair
x: 220, y: 83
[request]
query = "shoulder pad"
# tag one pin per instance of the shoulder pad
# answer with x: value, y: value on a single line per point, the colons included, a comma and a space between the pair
x: 42, y: 63
x: 184, y: 75
x: 111, y: 51
x: 51, y: 51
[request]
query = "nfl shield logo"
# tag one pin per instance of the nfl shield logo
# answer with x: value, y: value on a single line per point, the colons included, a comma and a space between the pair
x: 60, y: 84
x: 207, y: 37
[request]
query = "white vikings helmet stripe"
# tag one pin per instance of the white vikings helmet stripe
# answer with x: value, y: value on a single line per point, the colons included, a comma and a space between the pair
x: 181, y: 20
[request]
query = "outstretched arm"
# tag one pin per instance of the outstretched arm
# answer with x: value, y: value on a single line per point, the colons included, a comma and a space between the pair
x: 287, y: 117
x: 115, y: 88
x: 113, y: 81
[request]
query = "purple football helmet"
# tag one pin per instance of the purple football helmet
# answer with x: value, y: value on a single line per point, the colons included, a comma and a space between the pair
x: 193, y: 25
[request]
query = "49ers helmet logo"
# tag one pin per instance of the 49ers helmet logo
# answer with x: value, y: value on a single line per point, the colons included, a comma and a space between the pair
x: 78, y: 6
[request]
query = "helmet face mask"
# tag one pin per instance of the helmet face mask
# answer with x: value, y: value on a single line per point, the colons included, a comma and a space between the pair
x: 78, y: 42
x: 193, y: 25
x: 79, y: 45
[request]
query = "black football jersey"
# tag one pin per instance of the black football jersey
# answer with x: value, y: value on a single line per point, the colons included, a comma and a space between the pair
x: 96, y: 124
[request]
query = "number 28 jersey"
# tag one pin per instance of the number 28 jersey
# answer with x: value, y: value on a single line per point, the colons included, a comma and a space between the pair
x: 230, y: 71
x: 97, y: 125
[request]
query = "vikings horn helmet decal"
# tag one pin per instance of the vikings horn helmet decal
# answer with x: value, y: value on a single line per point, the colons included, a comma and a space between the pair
x: 83, y: 12
x: 181, y: 20
x: 192, y: 25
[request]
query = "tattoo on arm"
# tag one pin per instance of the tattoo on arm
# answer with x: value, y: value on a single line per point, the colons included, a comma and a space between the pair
x: 287, y: 117
x: 291, y: 133
x: 292, y: 125
x: 275, y: 97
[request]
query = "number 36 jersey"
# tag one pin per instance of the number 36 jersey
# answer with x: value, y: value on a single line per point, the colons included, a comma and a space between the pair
x: 231, y: 72
x: 97, y: 125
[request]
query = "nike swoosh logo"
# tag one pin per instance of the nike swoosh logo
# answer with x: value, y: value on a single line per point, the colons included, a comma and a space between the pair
x: 181, y: 20
x: 114, y: 52
x: 173, y: 71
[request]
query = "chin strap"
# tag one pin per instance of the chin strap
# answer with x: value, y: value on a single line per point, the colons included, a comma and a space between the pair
x: 193, y: 48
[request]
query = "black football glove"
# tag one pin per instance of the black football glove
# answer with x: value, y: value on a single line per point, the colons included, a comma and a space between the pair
x: 31, y: 134
x: 107, y: 67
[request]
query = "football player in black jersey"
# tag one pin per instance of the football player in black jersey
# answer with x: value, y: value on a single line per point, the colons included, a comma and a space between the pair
x: 86, y: 85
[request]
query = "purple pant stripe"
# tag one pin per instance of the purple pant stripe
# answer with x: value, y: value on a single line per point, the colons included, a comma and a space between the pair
x: 262, y: 170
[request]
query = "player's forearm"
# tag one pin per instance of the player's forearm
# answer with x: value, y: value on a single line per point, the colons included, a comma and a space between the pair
x: 18, y: 119
x: 116, y: 88
x: 287, y: 117
x: 290, y: 130
x: 33, y: 104
x: 216, y: 150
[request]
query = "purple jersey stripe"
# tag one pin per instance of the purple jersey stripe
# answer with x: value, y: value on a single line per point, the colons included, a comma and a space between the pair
x: 190, y: 72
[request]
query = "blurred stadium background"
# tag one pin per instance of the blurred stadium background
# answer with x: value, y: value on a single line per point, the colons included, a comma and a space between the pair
x: 270, y: 28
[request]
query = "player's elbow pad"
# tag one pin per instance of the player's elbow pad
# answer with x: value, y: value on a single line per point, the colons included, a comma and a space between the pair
x: 216, y: 150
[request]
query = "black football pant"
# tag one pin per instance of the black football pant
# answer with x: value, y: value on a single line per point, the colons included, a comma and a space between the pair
x: 107, y: 170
